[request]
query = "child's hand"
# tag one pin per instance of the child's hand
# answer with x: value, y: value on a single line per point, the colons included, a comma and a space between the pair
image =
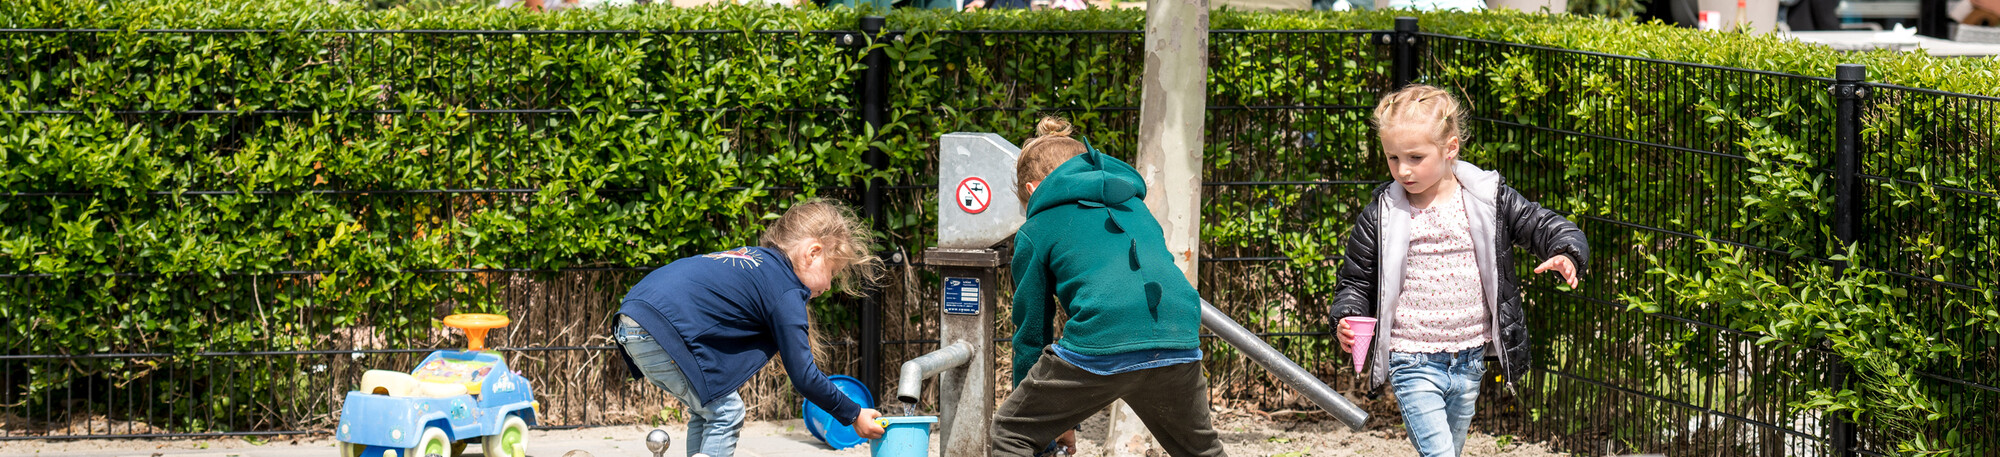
x: 1346, y: 336
x: 1068, y: 442
x: 864, y: 424
x: 1561, y: 264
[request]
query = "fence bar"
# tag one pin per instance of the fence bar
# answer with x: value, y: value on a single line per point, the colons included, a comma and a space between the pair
x: 874, y: 110
x: 1933, y: 19
x: 1847, y: 93
x: 1405, y: 57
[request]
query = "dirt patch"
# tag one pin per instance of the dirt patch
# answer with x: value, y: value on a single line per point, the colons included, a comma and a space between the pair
x: 96, y: 424
x: 1248, y: 433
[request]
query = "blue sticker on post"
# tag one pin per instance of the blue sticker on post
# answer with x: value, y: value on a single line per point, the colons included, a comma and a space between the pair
x: 961, y: 295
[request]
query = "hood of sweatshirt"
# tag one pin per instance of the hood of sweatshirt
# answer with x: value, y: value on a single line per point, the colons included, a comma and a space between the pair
x: 1092, y: 180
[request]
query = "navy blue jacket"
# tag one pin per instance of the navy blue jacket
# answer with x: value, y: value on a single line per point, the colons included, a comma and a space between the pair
x: 722, y: 315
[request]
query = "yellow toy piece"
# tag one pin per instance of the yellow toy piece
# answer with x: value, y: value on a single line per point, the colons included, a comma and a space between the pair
x: 390, y: 383
x: 399, y: 384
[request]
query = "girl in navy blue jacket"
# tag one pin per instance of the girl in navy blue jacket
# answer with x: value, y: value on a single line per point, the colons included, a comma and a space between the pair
x: 702, y: 326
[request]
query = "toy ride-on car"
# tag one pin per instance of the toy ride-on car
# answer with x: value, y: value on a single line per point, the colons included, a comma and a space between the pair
x: 451, y: 399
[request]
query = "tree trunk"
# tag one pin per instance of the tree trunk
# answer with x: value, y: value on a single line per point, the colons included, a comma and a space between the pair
x: 1171, y: 116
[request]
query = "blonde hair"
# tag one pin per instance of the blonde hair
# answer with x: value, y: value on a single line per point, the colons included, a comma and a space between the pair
x: 1423, y: 106
x: 845, y: 239
x: 1042, y: 154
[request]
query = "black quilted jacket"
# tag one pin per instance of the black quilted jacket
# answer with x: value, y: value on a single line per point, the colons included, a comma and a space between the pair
x: 1519, y: 222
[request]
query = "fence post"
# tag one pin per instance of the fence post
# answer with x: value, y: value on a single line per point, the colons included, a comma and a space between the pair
x: 1933, y: 19
x: 875, y: 111
x: 1404, y: 60
x: 1847, y: 95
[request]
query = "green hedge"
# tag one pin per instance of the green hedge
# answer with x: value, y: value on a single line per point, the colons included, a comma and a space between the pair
x: 633, y: 167
x: 655, y: 132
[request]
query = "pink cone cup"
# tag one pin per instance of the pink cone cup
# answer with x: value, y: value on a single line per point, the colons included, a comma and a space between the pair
x: 1364, y: 334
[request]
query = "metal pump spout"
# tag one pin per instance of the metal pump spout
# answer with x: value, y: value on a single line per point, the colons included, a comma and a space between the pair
x: 1284, y: 368
x: 915, y: 371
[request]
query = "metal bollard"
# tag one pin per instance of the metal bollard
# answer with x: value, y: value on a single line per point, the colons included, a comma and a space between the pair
x: 658, y: 442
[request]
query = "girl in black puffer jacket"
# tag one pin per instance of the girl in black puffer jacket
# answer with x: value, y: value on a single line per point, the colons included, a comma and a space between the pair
x: 1431, y: 258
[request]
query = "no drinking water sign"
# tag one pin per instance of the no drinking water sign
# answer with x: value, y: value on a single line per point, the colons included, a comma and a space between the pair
x: 974, y: 195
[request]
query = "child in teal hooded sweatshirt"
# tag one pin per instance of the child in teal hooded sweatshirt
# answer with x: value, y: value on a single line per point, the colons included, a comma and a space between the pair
x: 1091, y: 246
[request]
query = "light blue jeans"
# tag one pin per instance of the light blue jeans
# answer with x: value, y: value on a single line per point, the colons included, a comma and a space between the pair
x: 1436, y: 392
x: 712, y: 428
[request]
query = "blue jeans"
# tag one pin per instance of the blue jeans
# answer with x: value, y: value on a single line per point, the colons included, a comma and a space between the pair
x: 712, y: 428
x: 1436, y: 392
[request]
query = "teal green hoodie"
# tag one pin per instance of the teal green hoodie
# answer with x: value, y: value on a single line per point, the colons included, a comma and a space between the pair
x: 1091, y: 245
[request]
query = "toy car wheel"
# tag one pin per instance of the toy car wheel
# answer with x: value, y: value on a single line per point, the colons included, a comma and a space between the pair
x: 433, y: 442
x: 351, y: 449
x: 512, y: 441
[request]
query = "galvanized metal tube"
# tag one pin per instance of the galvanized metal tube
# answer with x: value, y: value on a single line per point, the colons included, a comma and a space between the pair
x: 915, y: 371
x: 1275, y: 362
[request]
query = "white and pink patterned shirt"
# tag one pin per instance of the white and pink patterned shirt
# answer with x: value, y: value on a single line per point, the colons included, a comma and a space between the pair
x: 1440, y: 309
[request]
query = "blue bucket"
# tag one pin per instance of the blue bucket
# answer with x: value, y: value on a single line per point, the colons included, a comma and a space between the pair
x: 823, y: 425
x: 903, y: 436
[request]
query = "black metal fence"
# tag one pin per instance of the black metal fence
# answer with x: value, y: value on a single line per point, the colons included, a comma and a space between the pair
x: 1716, y: 392
x: 1662, y: 173
x: 1289, y: 162
x: 1905, y: 140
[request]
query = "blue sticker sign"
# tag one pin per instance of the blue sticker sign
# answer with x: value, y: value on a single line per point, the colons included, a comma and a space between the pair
x: 961, y: 295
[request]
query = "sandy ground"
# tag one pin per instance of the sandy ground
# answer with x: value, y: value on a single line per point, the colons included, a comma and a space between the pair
x: 1248, y: 434
x: 1245, y: 434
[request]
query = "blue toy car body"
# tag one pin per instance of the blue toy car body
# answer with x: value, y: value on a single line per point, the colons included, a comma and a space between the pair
x: 374, y: 422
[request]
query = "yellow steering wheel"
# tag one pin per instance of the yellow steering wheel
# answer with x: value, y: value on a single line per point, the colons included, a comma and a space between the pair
x: 475, y: 327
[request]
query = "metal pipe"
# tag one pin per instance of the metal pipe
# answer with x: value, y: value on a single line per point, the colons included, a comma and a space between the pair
x: 1275, y: 362
x: 915, y: 371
